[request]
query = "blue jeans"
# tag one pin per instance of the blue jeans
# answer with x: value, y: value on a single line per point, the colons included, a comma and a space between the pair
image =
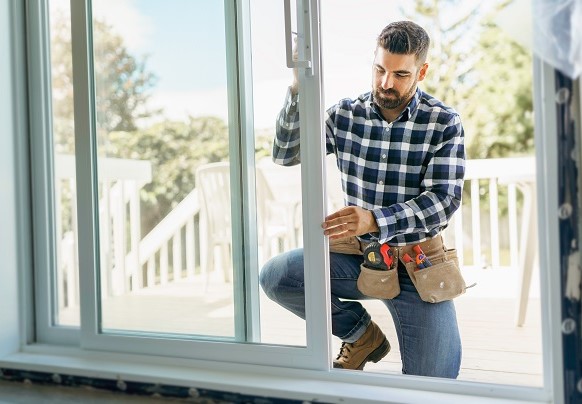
x: 428, y: 335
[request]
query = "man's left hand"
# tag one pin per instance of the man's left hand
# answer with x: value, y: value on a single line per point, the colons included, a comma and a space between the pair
x: 349, y: 221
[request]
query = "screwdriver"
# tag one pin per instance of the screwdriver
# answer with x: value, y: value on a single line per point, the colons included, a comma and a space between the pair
x: 422, y: 260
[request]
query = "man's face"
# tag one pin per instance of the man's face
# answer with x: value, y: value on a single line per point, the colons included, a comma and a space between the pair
x: 394, y: 78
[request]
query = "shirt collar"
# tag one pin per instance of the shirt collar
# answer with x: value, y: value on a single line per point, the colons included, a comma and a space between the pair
x: 406, y: 112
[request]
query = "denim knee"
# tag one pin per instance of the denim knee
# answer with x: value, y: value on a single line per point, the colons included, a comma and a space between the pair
x: 282, y: 275
x: 270, y: 277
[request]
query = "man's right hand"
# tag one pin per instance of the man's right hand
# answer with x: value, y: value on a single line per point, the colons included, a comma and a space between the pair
x: 349, y: 221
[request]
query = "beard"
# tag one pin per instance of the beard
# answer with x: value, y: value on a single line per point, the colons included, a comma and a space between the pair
x: 392, y: 99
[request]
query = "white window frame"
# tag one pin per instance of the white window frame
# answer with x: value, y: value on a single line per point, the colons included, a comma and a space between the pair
x: 315, y: 353
x: 219, y: 365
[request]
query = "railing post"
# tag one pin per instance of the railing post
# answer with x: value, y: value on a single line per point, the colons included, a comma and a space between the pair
x: 459, y: 245
x: 74, y: 287
x: 476, y: 222
x: 528, y: 248
x: 164, y: 264
x: 151, y: 271
x: 513, y: 235
x: 105, y: 238
x: 494, y: 221
x: 135, y: 236
x: 177, y: 254
x: 190, y: 251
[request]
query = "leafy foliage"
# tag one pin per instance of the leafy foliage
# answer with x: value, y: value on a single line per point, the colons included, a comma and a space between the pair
x: 475, y: 67
x: 478, y: 69
x: 123, y: 83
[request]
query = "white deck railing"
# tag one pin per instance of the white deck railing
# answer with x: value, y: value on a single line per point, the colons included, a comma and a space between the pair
x: 172, y: 250
x: 120, y: 182
x: 176, y: 227
x: 486, y: 179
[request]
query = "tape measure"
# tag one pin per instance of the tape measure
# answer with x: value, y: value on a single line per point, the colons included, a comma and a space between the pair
x: 378, y: 256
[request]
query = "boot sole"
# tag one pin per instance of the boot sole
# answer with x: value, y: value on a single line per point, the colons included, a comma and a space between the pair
x: 377, y: 354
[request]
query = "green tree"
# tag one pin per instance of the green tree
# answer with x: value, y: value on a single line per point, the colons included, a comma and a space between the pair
x: 123, y: 83
x: 480, y: 71
x: 503, y: 121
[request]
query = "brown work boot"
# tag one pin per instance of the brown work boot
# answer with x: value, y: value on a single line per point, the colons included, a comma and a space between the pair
x: 372, y: 346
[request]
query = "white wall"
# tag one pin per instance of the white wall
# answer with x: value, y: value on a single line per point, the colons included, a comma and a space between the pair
x: 11, y: 163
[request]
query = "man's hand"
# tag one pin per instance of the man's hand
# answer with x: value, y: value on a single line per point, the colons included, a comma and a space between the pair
x: 349, y: 221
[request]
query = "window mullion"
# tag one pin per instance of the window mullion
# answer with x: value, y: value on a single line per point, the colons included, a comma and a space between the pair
x: 86, y: 166
x: 43, y: 178
x: 316, y: 252
x: 549, y: 233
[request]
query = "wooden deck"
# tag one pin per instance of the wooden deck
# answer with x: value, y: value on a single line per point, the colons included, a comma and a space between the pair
x: 495, y: 350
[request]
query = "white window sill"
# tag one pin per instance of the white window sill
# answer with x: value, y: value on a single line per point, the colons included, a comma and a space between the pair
x: 261, y: 381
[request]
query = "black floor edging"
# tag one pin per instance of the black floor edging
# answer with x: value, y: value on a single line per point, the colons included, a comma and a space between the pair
x: 138, y: 388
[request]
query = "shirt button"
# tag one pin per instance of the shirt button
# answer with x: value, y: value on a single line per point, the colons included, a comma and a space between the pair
x: 286, y: 124
x: 293, y: 103
x: 384, y: 156
x: 381, y: 182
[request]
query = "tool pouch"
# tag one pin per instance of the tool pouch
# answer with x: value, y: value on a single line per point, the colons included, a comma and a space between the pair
x: 443, y: 279
x: 348, y: 245
x: 371, y: 282
x: 380, y: 284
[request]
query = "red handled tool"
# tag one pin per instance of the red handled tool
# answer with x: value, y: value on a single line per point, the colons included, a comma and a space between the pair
x: 378, y: 256
x: 387, y: 255
x: 422, y: 260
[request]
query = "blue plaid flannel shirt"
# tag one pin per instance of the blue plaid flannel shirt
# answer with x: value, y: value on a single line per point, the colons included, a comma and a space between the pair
x: 409, y: 172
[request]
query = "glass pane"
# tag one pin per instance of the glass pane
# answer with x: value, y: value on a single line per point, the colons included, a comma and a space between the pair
x: 164, y: 168
x: 279, y: 202
x: 67, y: 273
x: 480, y: 65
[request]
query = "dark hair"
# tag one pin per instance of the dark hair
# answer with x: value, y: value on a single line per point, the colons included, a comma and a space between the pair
x: 405, y: 38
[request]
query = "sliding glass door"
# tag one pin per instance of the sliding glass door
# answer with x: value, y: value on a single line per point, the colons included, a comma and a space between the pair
x: 179, y: 203
x: 157, y: 203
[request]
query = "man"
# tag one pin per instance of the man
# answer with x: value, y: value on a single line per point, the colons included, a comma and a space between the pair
x: 401, y: 155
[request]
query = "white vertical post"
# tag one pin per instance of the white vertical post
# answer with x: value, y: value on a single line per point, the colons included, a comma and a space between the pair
x: 74, y: 285
x: 316, y: 246
x: 151, y: 270
x: 190, y: 252
x: 105, y: 238
x: 177, y: 255
x: 494, y: 221
x: 476, y: 222
x: 61, y: 270
x: 135, y: 229
x: 164, y: 263
x: 528, y: 248
x: 459, y: 235
x: 512, y: 215
x: 118, y: 273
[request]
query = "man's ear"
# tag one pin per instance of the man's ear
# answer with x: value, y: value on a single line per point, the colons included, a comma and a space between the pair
x: 422, y: 72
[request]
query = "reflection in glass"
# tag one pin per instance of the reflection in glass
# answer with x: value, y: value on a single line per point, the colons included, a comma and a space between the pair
x: 278, y: 187
x: 163, y: 164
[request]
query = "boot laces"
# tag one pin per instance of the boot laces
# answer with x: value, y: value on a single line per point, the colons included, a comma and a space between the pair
x: 345, y: 350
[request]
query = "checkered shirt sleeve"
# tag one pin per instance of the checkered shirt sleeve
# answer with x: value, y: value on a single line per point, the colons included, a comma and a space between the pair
x: 409, y: 173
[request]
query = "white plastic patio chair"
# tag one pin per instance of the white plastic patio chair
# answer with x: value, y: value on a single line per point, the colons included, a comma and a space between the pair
x: 213, y: 183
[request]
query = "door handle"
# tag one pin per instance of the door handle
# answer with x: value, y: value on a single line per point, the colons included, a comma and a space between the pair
x: 304, y: 36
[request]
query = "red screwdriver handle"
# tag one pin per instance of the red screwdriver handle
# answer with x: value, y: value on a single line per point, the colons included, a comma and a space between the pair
x: 385, y: 251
